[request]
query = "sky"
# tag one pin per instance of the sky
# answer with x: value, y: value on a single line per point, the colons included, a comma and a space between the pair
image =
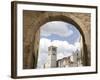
x: 60, y: 34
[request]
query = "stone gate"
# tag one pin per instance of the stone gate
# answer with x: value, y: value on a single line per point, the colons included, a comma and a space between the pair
x: 33, y: 20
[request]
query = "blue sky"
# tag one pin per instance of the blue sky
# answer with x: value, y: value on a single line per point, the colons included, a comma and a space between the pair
x: 72, y: 38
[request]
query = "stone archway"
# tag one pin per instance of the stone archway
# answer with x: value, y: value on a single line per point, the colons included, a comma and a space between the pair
x: 80, y: 20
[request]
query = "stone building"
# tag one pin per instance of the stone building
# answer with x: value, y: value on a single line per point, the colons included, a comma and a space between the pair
x: 64, y: 62
x: 52, y: 56
x: 76, y: 59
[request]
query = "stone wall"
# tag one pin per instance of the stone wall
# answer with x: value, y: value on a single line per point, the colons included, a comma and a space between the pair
x: 33, y: 20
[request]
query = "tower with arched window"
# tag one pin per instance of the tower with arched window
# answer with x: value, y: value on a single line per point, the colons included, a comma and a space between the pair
x: 52, y: 56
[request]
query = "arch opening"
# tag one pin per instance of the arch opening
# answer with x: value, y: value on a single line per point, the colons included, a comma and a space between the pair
x: 64, y: 41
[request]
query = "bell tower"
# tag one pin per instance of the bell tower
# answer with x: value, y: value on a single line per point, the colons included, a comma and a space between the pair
x: 52, y: 57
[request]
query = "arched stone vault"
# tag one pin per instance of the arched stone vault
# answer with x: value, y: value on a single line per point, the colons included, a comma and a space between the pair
x: 34, y: 20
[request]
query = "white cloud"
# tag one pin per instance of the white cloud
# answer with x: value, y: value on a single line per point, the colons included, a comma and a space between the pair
x: 56, y: 27
x: 77, y: 45
x: 64, y: 49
